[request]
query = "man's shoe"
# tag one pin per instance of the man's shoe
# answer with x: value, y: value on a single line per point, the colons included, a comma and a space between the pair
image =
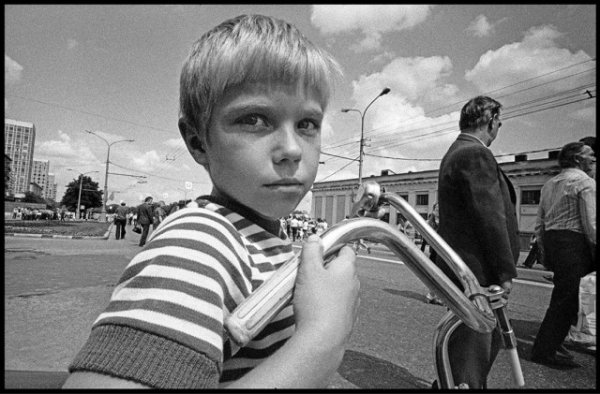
x: 563, y: 352
x: 556, y: 360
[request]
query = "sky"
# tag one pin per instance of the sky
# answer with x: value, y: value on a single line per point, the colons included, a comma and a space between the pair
x: 114, y: 70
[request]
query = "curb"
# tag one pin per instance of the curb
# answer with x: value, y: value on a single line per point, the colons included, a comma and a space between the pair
x: 25, y: 235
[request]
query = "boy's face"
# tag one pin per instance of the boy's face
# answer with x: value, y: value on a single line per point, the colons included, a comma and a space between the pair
x: 263, y: 146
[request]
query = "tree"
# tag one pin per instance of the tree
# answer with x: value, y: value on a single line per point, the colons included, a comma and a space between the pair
x: 51, y: 204
x: 90, y: 195
x: 32, y: 197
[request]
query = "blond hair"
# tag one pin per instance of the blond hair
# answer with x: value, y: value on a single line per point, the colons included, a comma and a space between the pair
x: 247, y: 49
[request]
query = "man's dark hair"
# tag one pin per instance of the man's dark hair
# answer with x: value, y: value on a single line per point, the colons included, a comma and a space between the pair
x: 569, y: 153
x: 148, y: 199
x: 478, y: 112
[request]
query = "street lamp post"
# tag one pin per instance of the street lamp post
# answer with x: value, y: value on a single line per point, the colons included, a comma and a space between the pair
x: 362, y: 131
x: 80, y: 188
x: 105, y: 196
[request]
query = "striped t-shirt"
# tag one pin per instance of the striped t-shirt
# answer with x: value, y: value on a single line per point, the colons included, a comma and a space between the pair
x: 164, y: 325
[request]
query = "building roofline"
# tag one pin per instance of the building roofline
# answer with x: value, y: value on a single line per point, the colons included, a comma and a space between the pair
x: 512, y: 168
x: 19, y: 123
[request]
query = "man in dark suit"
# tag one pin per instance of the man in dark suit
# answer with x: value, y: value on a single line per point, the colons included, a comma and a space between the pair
x: 145, y: 216
x: 478, y: 220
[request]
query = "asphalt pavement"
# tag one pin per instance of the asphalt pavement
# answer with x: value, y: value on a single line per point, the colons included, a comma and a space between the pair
x: 55, y: 289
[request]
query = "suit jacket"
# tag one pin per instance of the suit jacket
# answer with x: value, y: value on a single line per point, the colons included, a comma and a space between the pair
x: 477, y: 212
x: 145, y: 213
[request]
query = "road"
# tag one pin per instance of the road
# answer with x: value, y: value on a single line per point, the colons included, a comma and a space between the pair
x: 54, y: 289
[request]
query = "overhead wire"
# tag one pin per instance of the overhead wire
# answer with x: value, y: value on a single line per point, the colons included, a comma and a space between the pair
x: 526, y: 108
x: 419, y: 118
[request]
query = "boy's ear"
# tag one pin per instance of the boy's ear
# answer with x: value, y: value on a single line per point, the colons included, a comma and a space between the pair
x: 193, y: 141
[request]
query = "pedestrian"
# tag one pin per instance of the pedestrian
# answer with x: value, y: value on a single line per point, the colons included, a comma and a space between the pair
x: 121, y: 221
x: 304, y: 229
x: 159, y: 214
x: 129, y: 218
x: 145, y: 217
x: 14, y: 215
x: 251, y: 77
x: 288, y: 222
x: 320, y: 227
x: 566, y: 232
x: 477, y: 218
x: 433, y: 222
x: 294, y: 227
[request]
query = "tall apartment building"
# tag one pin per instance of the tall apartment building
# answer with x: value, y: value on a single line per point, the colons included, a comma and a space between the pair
x: 19, y: 141
x: 39, y: 174
x: 52, y: 187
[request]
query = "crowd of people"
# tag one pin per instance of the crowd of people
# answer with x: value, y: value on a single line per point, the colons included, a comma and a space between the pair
x: 27, y: 213
x: 298, y: 227
x: 145, y: 216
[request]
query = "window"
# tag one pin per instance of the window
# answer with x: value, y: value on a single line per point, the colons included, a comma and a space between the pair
x: 422, y: 199
x: 530, y: 197
x: 404, y: 196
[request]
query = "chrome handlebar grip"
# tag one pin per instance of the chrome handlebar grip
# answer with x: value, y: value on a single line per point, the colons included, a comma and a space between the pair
x: 472, y: 289
x: 255, y: 312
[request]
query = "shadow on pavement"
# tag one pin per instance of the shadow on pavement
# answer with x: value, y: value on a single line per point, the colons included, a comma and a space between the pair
x: 34, y: 379
x: 407, y: 294
x: 370, y: 372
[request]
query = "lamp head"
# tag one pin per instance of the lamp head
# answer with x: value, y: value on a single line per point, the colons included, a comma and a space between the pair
x: 385, y: 91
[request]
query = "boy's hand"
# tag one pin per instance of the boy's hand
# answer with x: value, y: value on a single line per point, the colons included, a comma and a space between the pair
x: 326, y: 299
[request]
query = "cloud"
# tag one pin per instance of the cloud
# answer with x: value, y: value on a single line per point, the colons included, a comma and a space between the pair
x: 480, y: 27
x: 64, y: 152
x: 537, y: 54
x: 398, y: 124
x: 371, y: 20
x: 148, y: 161
x: 72, y: 44
x: 411, y: 78
x: 175, y: 143
x: 587, y: 114
x: 382, y: 58
x: 12, y: 71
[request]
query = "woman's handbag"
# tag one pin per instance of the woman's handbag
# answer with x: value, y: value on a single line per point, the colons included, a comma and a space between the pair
x: 137, y: 229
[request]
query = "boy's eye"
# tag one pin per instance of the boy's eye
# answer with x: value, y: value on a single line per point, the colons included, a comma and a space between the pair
x: 253, y: 120
x: 309, y: 125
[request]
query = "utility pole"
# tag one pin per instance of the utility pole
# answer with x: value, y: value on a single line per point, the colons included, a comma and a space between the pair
x: 105, y: 195
x: 362, y: 131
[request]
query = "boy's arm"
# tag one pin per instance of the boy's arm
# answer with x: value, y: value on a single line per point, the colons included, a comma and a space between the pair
x: 325, y: 307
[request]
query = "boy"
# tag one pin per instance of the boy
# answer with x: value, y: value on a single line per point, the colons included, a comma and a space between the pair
x: 253, y: 94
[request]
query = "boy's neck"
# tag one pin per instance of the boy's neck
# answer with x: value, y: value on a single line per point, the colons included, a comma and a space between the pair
x: 271, y: 225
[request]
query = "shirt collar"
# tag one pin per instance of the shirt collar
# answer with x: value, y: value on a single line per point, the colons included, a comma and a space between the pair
x: 475, y: 138
x: 273, y: 226
x: 575, y: 170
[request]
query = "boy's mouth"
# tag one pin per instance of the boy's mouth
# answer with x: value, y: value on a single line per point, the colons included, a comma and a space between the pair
x: 288, y: 183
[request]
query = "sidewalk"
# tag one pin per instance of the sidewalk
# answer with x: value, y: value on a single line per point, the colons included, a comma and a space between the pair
x: 29, y: 235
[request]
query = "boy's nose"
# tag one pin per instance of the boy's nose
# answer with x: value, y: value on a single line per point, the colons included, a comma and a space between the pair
x: 287, y: 144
